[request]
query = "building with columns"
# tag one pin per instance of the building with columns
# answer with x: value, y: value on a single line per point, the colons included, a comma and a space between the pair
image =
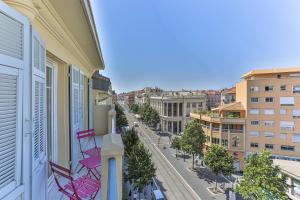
x: 174, y: 109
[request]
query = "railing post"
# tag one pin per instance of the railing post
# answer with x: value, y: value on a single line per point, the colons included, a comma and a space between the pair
x: 112, y: 119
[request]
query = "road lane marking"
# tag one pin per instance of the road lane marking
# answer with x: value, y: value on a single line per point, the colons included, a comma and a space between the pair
x: 157, y: 149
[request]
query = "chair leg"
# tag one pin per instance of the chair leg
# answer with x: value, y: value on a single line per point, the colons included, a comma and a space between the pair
x: 80, y: 169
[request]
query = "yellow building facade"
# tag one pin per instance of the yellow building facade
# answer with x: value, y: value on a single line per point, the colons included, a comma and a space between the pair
x: 50, y: 60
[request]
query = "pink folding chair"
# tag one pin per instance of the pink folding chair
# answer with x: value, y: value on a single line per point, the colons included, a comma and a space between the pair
x: 94, y: 161
x: 95, y: 151
x: 81, y: 188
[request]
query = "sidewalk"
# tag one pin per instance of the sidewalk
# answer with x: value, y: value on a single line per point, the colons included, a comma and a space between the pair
x: 199, y: 176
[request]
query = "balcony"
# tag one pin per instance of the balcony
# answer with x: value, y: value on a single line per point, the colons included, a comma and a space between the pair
x: 216, y: 118
x: 101, y: 83
x: 55, y: 194
x: 224, y: 130
x: 112, y: 150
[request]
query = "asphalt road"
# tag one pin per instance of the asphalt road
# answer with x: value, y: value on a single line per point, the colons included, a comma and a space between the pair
x: 173, y: 185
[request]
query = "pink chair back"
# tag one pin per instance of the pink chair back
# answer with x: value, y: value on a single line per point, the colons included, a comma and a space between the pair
x: 66, y: 173
x: 90, y: 133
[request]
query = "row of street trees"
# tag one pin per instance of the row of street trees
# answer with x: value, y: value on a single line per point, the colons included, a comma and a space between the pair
x: 148, y: 114
x: 192, y: 141
x: 261, y: 181
x: 140, y: 168
x: 121, y: 119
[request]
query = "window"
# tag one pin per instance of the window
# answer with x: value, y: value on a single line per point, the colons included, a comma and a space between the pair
x: 269, y: 99
x: 255, y: 122
x: 269, y: 123
x: 282, y: 111
x: 269, y: 88
x: 296, y: 89
x: 287, y: 148
x: 269, y: 146
x: 287, y: 125
x: 254, y: 100
x: 215, y: 140
x: 282, y: 87
x: 188, y: 105
x: 224, y: 142
x: 283, y: 136
x: 254, y: 89
x: 269, y: 111
x: 268, y: 134
x: 287, y: 101
x: 296, y: 113
x: 254, y: 133
x: 254, y: 145
x: 296, y: 137
x: 254, y: 111
x: 235, y: 141
x: 194, y: 105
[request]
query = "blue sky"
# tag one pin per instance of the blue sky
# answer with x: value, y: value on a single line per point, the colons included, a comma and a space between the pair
x: 194, y: 44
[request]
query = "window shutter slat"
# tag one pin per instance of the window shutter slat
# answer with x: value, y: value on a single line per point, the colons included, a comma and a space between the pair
x: 11, y: 40
x: 8, y: 121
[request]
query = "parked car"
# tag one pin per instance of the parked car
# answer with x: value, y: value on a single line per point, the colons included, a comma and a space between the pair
x: 135, y: 124
x: 157, y: 195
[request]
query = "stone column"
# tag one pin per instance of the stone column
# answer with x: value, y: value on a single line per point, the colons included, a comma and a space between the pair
x: 112, y: 120
x: 229, y: 137
x: 172, y: 124
x: 167, y: 109
x: 177, y: 127
x: 172, y: 111
x: 178, y: 109
x: 112, y: 147
x: 210, y: 131
x: 220, y: 132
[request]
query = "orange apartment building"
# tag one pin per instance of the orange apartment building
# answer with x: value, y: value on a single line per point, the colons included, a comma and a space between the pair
x: 265, y: 116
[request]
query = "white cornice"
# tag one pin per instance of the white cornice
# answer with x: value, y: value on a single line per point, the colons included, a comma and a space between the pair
x: 44, y: 13
x: 89, y: 14
x: 56, y: 26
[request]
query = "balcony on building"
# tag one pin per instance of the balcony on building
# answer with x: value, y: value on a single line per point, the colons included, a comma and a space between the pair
x: 224, y: 125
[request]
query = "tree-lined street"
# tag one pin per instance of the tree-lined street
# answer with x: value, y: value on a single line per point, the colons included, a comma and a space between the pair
x: 176, y: 179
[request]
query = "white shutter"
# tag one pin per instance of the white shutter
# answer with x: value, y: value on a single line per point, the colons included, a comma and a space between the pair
x: 74, y: 109
x: 81, y: 101
x: 296, y: 137
x: 287, y: 100
x: 8, y: 128
x: 269, y: 111
x: 14, y: 28
x: 91, y: 103
x: 38, y: 101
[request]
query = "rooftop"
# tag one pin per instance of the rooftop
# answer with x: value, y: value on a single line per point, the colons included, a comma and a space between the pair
x: 289, y: 167
x: 237, y: 106
x: 231, y: 90
x: 271, y: 71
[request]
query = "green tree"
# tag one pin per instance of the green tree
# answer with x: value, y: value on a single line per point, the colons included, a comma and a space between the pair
x: 262, y: 180
x: 121, y: 119
x: 134, y: 108
x: 140, y: 167
x: 145, y: 112
x: 154, y: 117
x: 130, y: 139
x: 219, y: 161
x: 193, y: 139
x: 176, y: 144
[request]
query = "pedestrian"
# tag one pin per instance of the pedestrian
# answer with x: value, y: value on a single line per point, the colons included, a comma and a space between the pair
x: 170, y: 137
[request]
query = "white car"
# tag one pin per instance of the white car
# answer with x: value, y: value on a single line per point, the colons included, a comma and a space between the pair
x: 135, y: 124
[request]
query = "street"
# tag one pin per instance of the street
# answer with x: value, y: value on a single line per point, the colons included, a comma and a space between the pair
x: 171, y: 182
x: 174, y: 175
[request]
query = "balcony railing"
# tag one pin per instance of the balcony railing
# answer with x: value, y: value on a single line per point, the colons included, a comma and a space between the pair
x: 232, y: 130
x: 102, y: 84
x: 291, y: 128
